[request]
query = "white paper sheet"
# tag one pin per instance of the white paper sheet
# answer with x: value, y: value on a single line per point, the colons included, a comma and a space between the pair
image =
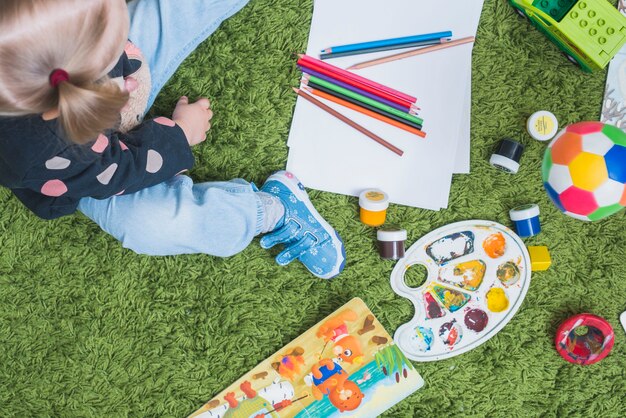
x: 462, y: 165
x: 328, y: 155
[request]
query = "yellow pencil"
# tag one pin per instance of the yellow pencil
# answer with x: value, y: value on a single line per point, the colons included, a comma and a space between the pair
x: 412, y: 53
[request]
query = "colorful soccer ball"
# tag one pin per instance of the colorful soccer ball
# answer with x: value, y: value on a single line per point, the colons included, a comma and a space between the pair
x: 584, y: 170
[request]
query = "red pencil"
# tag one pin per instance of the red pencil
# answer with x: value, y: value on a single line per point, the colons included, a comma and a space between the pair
x: 310, y: 66
x: 356, y: 77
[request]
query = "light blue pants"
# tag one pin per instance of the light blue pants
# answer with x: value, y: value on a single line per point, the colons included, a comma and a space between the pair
x: 177, y: 216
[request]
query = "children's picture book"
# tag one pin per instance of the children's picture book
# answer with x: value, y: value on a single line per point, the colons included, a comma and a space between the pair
x: 345, y: 366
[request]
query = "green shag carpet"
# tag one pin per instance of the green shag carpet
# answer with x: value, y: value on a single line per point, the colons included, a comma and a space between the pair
x: 88, y: 329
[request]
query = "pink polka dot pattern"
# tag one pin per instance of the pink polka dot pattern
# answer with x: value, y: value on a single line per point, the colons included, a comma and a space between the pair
x: 106, y: 176
x: 54, y: 188
x: 101, y: 144
x: 131, y: 49
x: 165, y: 121
x: 123, y: 146
x: 155, y: 162
x: 57, y: 163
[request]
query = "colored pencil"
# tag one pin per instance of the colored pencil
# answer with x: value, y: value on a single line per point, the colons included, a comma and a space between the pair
x: 308, y: 66
x: 325, y: 56
x: 344, y: 119
x: 366, y: 100
x: 412, y: 53
x: 387, y: 42
x: 373, y: 87
x: 368, y: 113
x: 356, y: 77
x: 411, y: 110
x: 364, y: 105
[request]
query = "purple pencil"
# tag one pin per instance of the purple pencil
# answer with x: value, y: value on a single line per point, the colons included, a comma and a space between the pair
x: 356, y: 90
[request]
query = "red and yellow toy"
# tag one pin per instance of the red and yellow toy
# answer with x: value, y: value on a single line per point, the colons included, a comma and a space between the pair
x: 584, y: 339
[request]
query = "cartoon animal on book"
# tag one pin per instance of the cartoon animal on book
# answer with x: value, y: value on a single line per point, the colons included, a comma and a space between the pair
x: 328, y: 378
x: 290, y: 364
x: 265, y: 402
x: 345, y: 346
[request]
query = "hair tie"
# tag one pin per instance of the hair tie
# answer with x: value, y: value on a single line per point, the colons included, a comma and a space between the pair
x: 58, y: 76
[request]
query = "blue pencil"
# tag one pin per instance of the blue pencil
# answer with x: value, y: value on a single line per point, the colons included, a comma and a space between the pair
x: 387, y: 42
x: 381, y: 48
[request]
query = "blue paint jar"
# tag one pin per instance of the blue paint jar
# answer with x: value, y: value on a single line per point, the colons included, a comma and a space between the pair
x: 526, y: 220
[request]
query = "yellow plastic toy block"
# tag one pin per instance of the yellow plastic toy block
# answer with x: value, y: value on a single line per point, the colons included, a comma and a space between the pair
x: 539, y: 258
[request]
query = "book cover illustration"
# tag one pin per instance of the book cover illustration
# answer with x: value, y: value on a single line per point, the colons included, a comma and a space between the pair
x: 345, y: 366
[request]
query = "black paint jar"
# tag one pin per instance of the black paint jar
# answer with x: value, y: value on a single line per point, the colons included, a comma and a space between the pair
x: 391, y: 243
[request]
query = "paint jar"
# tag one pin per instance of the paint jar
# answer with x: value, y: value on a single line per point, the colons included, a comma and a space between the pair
x: 542, y: 125
x: 507, y: 155
x: 526, y: 220
x: 391, y: 243
x: 373, y: 204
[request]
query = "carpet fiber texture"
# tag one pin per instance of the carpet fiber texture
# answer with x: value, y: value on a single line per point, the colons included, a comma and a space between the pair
x: 88, y: 329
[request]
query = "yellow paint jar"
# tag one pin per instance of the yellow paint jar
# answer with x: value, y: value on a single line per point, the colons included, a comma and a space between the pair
x: 373, y: 204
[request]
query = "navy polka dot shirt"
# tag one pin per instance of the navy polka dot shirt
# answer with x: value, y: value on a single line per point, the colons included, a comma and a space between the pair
x: 50, y: 175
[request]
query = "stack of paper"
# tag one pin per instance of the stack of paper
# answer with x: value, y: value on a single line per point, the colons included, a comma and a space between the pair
x: 328, y: 155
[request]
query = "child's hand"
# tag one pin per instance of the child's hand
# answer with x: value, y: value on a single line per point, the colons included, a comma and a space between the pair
x: 193, y: 119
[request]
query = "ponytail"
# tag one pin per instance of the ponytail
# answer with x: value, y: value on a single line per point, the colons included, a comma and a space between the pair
x: 83, y: 37
x: 86, y: 111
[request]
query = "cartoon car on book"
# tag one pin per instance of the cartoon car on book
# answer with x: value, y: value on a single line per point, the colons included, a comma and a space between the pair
x: 589, y: 32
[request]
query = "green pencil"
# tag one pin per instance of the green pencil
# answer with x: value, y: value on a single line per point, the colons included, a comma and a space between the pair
x: 366, y: 100
x: 355, y: 102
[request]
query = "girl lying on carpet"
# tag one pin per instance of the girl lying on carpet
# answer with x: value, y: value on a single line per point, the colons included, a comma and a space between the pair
x: 67, y: 71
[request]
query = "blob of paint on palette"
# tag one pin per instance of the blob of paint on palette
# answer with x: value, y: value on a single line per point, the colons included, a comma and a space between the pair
x: 508, y: 273
x: 478, y: 276
x: 495, y: 245
x: 450, y: 333
x: 497, y: 301
x: 423, y: 338
x: 476, y: 319
x: 451, y: 247
x: 466, y: 275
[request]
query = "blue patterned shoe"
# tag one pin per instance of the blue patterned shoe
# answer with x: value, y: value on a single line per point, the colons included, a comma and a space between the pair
x: 306, y: 236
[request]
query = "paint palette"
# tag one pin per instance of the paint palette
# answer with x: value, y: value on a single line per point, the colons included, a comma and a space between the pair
x: 478, y: 273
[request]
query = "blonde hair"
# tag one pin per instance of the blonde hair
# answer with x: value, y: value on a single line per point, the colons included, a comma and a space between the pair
x: 83, y: 37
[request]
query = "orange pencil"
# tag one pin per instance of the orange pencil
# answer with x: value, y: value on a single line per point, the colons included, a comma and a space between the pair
x: 366, y: 112
x: 412, y: 53
x: 344, y: 119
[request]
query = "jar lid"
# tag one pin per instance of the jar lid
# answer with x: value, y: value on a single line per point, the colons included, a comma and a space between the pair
x: 542, y: 125
x: 503, y: 163
x: 524, y: 212
x: 507, y: 155
x: 373, y: 200
x: 391, y: 235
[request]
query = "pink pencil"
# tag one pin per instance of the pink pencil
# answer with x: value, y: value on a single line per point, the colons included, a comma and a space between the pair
x: 353, y: 76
